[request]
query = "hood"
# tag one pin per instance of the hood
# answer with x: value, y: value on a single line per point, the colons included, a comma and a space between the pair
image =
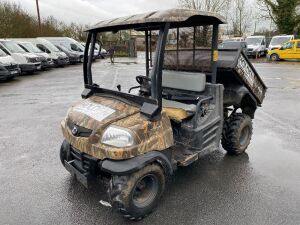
x: 43, y: 54
x: 253, y: 46
x: 7, y: 60
x: 96, y: 113
x: 30, y: 55
x: 61, y: 54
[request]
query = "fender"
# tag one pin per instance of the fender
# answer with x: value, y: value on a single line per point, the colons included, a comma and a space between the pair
x: 128, y: 166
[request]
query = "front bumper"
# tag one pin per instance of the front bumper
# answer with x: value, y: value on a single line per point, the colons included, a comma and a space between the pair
x: 74, y: 59
x: 86, y: 168
x: 61, y: 61
x: 4, y: 74
x: 30, y: 67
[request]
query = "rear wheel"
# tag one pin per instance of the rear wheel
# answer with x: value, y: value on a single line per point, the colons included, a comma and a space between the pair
x: 137, y: 194
x: 274, y: 57
x: 237, y: 133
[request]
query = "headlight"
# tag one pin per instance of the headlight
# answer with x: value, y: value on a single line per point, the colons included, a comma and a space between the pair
x: 118, y: 137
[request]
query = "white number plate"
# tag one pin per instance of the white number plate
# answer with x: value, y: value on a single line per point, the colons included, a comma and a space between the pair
x: 96, y: 111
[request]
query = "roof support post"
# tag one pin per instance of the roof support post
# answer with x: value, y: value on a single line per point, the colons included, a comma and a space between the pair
x: 85, y: 59
x: 150, y: 45
x: 215, y: 53
x: 194, y: 46
x: 147, y: 51
x: 90, y: 58
x: 156, y: 72
x: 177, y: 49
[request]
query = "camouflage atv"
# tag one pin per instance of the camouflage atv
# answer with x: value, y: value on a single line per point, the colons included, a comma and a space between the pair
x: 187, y: 104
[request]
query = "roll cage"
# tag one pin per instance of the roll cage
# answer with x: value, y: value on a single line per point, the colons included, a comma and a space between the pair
x: 160, y: 21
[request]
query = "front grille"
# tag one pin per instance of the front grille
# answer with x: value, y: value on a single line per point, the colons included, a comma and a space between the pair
x: 11, y: 67
x: 34, y: 60
x: 250, y: 49
x: 83, y: 162
x: 80, y: 131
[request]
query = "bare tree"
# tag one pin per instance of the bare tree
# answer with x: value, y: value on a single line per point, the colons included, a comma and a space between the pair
x: 241, y: 17
x: 218, y: 6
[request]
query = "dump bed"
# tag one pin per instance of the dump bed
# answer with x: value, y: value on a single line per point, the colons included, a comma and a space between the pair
x: 237, y: 63
x: 233, y: 68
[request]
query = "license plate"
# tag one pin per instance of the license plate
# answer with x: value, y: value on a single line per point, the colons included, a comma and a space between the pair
x: 39, y: 67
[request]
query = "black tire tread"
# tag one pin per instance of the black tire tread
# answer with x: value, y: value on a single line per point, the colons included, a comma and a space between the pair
x: 230, y: 137
x: 120, y: 188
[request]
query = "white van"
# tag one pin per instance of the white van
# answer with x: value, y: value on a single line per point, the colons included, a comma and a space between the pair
x: 28, y: 62
x: 9, y: 68
x: 277, y: 41
x: 256, y: 45
x: 59, y: 58
x: 46, y: 61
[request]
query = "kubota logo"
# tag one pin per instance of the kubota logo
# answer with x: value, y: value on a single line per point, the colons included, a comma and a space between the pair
x: 74, y: 130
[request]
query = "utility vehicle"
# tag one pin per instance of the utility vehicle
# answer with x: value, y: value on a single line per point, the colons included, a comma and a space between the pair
x: 181, y: 111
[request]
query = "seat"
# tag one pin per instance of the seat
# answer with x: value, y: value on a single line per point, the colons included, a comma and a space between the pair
x: 195, y: 82
x: 177, y: 110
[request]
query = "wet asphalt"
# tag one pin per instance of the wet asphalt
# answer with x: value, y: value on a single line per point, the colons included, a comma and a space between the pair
x: 261, y: 187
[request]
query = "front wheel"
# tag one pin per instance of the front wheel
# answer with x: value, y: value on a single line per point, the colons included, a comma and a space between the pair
x: 137, y: 194
x: 274, y: 57
x: 237, y: 133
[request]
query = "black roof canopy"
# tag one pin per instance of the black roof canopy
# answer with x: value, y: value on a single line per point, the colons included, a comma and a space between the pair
x: 152, y: 20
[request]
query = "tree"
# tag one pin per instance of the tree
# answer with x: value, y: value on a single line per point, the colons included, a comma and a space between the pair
x: 240, y: 17
x: 218, y: 6
x: 282, y: 13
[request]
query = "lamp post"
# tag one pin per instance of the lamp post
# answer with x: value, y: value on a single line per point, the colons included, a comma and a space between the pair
x: 38, y: 12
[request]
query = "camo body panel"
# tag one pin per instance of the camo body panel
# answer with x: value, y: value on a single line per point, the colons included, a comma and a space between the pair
x: 149, y: 135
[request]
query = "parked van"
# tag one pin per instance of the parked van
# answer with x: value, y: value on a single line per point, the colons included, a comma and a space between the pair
x: 28, y: 62
x: 278, y: 41
x: 9, y: 68
x: 59, y: 58
x: 46, y: 61
x: 289, y: 50
x: 74, y: 57
x: 256, y: 45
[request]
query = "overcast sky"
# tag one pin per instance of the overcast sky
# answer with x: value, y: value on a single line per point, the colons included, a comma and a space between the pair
x: 92, y: 11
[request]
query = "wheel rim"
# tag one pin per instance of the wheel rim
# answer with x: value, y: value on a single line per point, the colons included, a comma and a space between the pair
x: 145, y: 191
x: 245, y: 133
x: 274, y: 57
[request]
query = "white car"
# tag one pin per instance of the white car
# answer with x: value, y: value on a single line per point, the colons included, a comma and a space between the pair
x: 277, y: 41
x: 256, y: 46
x: 28, y: 62
x: 9, y: 68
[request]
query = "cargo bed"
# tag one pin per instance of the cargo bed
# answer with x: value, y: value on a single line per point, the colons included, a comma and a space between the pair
x: 234, y: 68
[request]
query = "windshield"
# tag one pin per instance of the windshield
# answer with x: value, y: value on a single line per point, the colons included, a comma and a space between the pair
x: 2, y: 53
x: 254, y: 41
x: 31, y: 48
x: 50, y: 46
x: 63, y: 48
x: 13, y: 47
x: 279, y: 40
